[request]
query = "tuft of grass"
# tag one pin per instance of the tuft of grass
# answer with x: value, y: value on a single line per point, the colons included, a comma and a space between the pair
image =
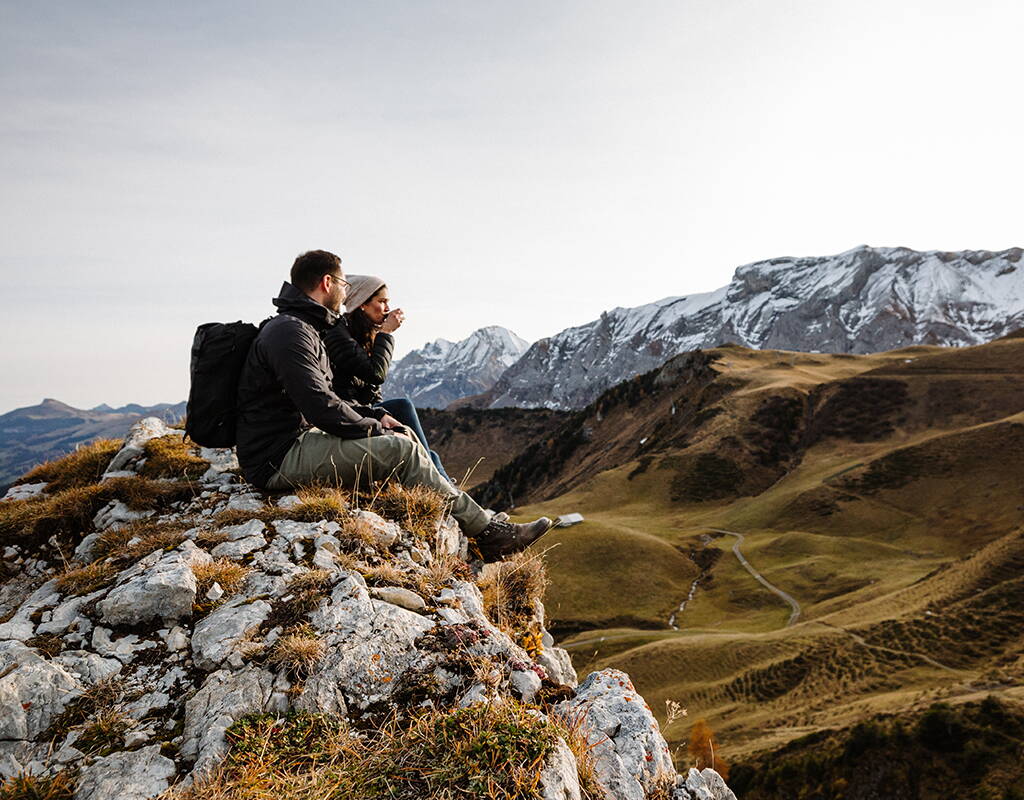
x: 304, y: 593
x: 82, y: 580
x: 50, y: 644
x: 510, y: 590
x: 103, y: 694
x: 223, y: 571
x: 118, y: 544
x: 417, y: 509
x: 105, y: 733
x: 80, y: 468
x: 239, y: 516
x: 68, y: 514
x: 170, y: 457
x: 356, y: 531
x: 60, y: 786
x: 297, y: 652
x: 388, y: 573
x: 493, y: 752
x: 320, y: 502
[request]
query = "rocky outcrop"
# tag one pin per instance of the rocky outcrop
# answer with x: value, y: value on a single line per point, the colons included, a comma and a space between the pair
x: 863, y: 301
x: 129, y: 672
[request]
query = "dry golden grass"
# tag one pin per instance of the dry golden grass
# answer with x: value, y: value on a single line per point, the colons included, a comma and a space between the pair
x: 297, y: 652
x: 82, y: 467
x: 510, y: 590
x: 320, y: 502
x: 170, y: 457
x: 60, y: 786
x: 82, y: 580
x: 417, y: 509
x: 118, y: 544
x: 228, y: 574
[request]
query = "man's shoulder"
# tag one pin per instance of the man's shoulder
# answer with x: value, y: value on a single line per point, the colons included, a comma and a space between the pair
x: 284, y: 325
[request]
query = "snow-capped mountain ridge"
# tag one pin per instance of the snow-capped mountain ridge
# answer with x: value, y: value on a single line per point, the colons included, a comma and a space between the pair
x: 441, y: 371
x: 864, y: 300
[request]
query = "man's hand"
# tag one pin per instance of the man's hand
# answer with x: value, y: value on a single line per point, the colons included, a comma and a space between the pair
x: 389, y: 423
x: 393, y: 321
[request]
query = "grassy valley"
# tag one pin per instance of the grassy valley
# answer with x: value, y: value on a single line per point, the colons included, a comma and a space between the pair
x: 884, y: 494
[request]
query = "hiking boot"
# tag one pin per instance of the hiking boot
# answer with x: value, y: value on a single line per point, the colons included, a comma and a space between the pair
x: 500, y: 539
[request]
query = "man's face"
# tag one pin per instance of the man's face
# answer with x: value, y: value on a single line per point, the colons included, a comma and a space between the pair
x: 336, y: 293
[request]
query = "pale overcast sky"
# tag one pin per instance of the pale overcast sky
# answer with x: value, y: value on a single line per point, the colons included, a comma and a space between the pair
x: 525, y: 164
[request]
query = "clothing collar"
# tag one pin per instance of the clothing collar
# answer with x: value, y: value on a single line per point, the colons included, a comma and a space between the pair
x: 297, y: 303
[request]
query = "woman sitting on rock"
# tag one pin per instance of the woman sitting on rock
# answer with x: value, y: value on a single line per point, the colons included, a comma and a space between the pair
x: 360, y: 347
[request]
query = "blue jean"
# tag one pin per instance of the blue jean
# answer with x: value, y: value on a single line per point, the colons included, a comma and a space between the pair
x: 405, y: 412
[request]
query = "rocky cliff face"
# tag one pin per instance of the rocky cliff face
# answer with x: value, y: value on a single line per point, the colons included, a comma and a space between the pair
x: 441, y: 372
x: 862, y: 301
x: 150, y: 619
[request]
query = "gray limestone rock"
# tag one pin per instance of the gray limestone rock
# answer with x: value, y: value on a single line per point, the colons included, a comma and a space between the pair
x: 65, y: 614
x: 526, y: 683
x: 89, y: 668
x: 124, y: 648
x: 630, y: 754
x: 20, y: 626
x: 225, y: 698
x: 32, y: 691
x: 239, y: 547
x: 135, y: 775
x: 221, y: 459
x: 396, y: 595
x: 24, y: 491
x: 373, y: 645
x: 164, y: 589
x: 560, y: 778
x: 558, y: 665
x: 384, y: 532
x: 253, y: 527
x: 116, y: 514
x: 705, y: 784
x: 215, y: 636
x: 131, y: 452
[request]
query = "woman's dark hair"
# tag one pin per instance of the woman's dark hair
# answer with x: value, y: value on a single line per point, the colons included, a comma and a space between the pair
x: 361, y: 327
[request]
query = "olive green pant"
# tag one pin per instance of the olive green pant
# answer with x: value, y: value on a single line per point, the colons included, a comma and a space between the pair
x: 319, y: 456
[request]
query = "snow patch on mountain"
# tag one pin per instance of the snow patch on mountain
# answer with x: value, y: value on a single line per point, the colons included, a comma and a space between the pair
x: 861, y: 301
x: 441, y: 371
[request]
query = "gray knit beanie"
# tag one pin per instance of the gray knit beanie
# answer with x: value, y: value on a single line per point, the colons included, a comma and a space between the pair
x: 362, y: 288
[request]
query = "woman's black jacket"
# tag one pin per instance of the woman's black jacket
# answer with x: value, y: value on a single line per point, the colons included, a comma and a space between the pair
x: 357, y: 373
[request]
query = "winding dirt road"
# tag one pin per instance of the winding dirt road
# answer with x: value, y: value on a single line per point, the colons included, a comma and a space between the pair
x: 793, y: 604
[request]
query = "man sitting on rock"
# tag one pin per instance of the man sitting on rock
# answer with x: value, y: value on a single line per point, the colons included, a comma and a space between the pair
x: 293, y: 429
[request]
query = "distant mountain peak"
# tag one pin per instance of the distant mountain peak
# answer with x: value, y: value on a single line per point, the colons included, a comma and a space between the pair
x: 441, y: 371
x: 866, y: 299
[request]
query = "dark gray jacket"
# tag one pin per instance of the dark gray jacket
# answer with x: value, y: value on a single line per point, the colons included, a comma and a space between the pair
x: 285, y: 388
x: 358, y: 374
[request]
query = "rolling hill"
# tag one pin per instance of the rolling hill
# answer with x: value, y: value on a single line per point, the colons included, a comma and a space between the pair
x: 883, y: 494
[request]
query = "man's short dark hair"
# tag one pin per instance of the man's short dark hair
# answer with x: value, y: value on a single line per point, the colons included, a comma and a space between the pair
x: 310, y: 267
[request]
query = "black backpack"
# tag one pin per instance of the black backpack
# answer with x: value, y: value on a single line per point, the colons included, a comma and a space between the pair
x: 219, y: 350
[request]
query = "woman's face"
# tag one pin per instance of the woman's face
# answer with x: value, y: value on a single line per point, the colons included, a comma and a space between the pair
x: 377, y: 308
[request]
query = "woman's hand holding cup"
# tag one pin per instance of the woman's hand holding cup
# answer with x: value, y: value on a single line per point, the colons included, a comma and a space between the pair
x: 393, y: 321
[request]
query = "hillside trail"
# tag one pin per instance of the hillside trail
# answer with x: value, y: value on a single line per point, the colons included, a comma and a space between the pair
x: 771, y: 587
x: 863, y: 642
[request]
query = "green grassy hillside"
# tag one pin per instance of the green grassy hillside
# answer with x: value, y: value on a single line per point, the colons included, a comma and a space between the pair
x: 883, y: 494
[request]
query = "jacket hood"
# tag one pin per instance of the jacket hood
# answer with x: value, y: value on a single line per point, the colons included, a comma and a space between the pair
x: 297, y: 303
